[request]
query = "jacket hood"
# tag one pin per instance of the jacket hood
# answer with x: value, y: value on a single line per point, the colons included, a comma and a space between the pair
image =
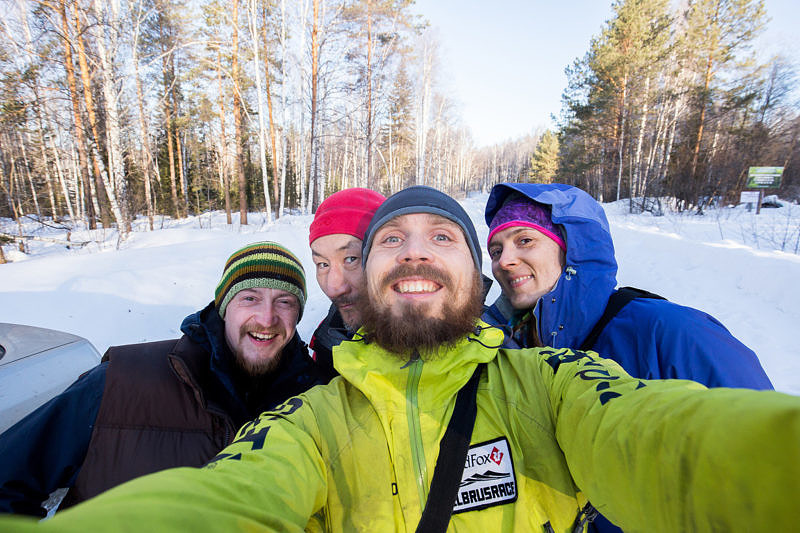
x: 567, y: 314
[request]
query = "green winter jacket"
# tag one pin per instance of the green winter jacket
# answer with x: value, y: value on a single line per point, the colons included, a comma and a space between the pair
x: 358, y: 454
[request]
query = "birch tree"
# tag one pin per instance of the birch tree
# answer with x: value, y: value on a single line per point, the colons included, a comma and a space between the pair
x: 237, y: 115
x: 116, y: 186
x: 252, y: 13
x: 145, y: 156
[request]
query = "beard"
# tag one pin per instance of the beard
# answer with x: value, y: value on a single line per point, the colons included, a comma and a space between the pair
x: 256, y: 369
x: 350, y: 322
x: 405, y: 327
x: 259, y: 367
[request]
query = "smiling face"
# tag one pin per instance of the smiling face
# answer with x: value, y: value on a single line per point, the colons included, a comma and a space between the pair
x: 423, y: 289
x: 259, y: 322
x: 339, y: 273
x: 526, y: 263
x: 420, y: 261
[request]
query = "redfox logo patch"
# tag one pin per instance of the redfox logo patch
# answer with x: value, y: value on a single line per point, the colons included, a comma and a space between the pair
x: 488, y: 478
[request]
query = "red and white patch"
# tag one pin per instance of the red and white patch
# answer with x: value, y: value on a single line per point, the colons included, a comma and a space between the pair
x: 488, y: 477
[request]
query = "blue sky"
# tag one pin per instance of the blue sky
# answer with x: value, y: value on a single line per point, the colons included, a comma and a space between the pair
x: 504, y: 60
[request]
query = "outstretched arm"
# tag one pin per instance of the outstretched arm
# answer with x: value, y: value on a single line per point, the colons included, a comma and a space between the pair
x: 672, y: 455
x: 271, y: 478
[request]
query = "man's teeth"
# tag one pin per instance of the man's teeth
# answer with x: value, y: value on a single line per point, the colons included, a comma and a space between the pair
x: 262, y: 336
x: 417, y: 286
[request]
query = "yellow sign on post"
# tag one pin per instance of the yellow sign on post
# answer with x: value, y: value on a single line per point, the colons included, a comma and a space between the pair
x: 764, y: 177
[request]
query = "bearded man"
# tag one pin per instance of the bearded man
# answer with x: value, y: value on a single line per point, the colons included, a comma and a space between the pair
x: 541, y: 428
x: 157, y: 405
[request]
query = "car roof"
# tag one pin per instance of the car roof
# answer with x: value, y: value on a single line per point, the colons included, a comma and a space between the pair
x: 18, y: 341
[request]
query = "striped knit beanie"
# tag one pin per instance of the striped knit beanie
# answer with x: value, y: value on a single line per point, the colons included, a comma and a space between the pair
x: 264, y: 265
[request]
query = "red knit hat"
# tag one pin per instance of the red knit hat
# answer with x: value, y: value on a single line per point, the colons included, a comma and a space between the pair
x: 348, y: 211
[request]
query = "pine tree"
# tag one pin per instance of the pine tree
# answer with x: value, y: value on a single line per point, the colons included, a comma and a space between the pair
x: 544, y: 162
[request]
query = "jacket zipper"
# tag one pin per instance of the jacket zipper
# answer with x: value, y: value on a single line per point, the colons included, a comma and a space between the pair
x: 414, y: 430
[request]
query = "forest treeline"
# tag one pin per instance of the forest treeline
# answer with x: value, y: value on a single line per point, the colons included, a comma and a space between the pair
x: 113, y: 109
x: 677, y: 104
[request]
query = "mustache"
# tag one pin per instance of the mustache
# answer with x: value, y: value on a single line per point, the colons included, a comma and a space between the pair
x: 246, y: 328
x: 343, y: 300
x: 405, y: 270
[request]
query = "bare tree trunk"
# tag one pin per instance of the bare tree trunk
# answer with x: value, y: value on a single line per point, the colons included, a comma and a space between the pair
x: 621, y: 141
x: 77, y: 121
x: 28, y: 175
x: 635, y: 186
x: 268, y: 84
x: 9, y: 190
x: 321, y: 169
x: 81, y: 196
x: 46, y: 167
x: 94, y: 151
x: 178, y: 144
x: 226, y: 186
x: 179, y: 157
x: 305, y: 201
x: 116, y: 186
x: 657, y: 143
x: 370, y: 179
x: 313, y: 179
x: 668, y: 150
x: 262, y: 148
x: 173, y: 186
x: 422, y: 112
x: 284, y: 140
x: 80, y: 201
x: 169, y: 80
x: 237, y: 117
x: 62, y: 180
x: 144, y: 152
x: 706, y: 84
x: 345, y: 154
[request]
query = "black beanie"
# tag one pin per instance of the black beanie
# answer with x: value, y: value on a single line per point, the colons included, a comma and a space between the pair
x: 422, y: 199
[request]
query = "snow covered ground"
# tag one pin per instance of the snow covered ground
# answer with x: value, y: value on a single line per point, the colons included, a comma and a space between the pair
x: 728, y: 263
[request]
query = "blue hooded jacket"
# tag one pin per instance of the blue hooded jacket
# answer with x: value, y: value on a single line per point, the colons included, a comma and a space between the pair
x: 649, y: 338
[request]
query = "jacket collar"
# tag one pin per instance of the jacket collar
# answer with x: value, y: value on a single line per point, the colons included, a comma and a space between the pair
x: 383, y: 377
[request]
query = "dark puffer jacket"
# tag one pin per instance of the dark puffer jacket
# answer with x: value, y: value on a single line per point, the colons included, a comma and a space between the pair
x: 146, y: 407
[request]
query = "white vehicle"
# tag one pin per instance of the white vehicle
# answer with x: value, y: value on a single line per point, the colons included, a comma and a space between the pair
x: 37, y: 364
